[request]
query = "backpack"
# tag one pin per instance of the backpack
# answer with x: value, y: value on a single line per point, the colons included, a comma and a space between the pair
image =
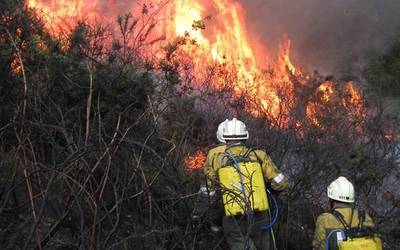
x: 355, y: 238
x: 242, y: 184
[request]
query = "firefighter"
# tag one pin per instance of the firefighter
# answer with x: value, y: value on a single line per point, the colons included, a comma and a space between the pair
x: 241, y: 230
x: 341, y: 197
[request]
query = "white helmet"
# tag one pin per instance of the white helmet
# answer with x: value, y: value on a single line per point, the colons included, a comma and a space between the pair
x: 233, y: 130
x: 341, y: 190
x: 219, y: 132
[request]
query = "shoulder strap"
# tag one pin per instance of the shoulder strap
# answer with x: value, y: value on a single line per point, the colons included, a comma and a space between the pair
x: 247, y: 153
x: 253, y: 150
x: 237, y: 158
x: 231, y: 160
x: 340, y: 218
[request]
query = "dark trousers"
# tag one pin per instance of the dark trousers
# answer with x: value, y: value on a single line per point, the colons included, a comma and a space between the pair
x: 242, y: 233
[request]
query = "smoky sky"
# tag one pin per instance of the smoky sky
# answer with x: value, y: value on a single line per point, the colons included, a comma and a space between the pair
x: 331, y: 36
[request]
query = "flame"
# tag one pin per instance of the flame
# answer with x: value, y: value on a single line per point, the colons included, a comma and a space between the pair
x: 211, y: 33
x: 285, y: 57
x: 56, y: 14
x: 326, y: 89
x: 222, y: 40
x: 196, y: 160
x: 218, y: 35
x: 356, y: 101
x: 324, y: 95
x: 389, y: 137
x: 15, y: 65
x: 349, y: 99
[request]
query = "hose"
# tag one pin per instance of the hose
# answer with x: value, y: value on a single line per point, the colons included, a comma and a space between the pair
x: 236, y: 163
x: 329, y: 235
x: 249, y: 213
x: 276, y: 214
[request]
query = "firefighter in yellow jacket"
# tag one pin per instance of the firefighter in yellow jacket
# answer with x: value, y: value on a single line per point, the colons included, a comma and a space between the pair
x: 241, y: 232
x: 341, y: 195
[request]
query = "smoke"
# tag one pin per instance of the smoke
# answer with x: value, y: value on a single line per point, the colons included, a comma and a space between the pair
x: 333, y: 37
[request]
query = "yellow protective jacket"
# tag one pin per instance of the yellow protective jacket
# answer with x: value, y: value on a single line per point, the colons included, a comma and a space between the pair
x: 327, y: 222
x: 215, y: 160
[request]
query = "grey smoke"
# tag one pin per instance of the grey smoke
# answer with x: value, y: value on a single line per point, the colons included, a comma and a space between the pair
x: 331, y: 36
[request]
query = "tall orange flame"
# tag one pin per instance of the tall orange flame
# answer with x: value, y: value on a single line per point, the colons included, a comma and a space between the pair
x: 217, y: 29
x: 222, y: 39
x: 218, y: 35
